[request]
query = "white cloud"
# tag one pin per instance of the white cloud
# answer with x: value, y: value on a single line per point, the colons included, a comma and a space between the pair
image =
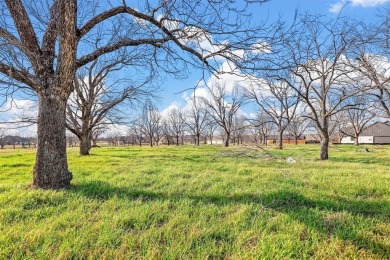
x: 368, y: 3
x: 337, y: 7
x: 116, y: 130
x: 174, y: 105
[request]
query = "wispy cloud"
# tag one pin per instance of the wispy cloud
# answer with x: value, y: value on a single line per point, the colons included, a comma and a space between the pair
x: 337, y: 7
x: 368, y: 3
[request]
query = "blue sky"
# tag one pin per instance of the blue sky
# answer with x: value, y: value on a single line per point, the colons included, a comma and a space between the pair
x: 365, y: 10
x: 174, y: 90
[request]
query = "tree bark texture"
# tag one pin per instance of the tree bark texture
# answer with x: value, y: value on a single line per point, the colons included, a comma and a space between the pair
x: 51, y: 166
x: 356, y: 141
x: 226, y: 143
x: 324, y: 148
x: 85, y: 144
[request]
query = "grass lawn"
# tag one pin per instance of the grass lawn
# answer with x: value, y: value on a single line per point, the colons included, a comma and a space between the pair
x: 200, y: 202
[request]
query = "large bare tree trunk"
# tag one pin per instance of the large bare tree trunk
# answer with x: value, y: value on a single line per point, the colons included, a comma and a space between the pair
x: 85, y: 144
x: 51, y: 166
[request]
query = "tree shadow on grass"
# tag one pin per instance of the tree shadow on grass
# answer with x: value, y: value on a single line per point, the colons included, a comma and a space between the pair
x: 361, y: 159
x: 313, y: 213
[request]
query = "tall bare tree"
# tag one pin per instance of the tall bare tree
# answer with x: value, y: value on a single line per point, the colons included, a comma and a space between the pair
x: 150, y: 122
x: 263, y: 124
x: 277, y: 99
x: 297, y: 127
x: 3, y: 138
x: 358, y: 116
x: 98, y: 98
x: 176, y: 120
x: 137, y: 131
x: 223, y: 105
x: 314, y: 56
x: 197, y: 118
x: 42, y: 45
x: 210, y: 128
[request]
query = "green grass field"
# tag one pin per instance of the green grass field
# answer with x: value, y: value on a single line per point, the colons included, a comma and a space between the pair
x: 200, y: 202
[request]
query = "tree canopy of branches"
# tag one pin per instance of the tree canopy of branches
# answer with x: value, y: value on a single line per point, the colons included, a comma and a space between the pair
x: 95, y: 101
x: 43, y: 43
x: 176, y: 122
x: 358, y: 116
x: 197, y: 118
x: 151, y: 123
x: 276, y: 99
x: 312, y: 62
x: 223, y: 105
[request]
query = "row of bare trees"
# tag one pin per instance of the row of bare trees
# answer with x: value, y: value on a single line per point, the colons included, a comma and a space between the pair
x: 217, y: 112
x: 333, y: 73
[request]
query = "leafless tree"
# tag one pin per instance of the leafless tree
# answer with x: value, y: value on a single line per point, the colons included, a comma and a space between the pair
x: 3, y: 138
x: 167, y: 132
x: 71, y: 139
x: 96, y: 133
x: 358, y: 116
x: 312, y: 64
x: 369, y: 58
x: 197, y: 119
x: 240, y: 127
x: 150, y: 122
x: 297, y: 127
x: 264, y: 125
x: 276, y: 99
x: 99, y: 94
x: 42, y: 46
x: 136, y: 129
x: 223, y: 105
x: 176, y: 121
x: 210, y: 128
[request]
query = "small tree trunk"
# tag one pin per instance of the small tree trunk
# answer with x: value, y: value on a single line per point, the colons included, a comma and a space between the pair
x: 295, y: 139
x: 356, y: 141
x: 280, y: 143
x: 226, y: 143
x: 198, y: 139
x: 177, y: 140
x: 324, y: 147
x: 51, y: 166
